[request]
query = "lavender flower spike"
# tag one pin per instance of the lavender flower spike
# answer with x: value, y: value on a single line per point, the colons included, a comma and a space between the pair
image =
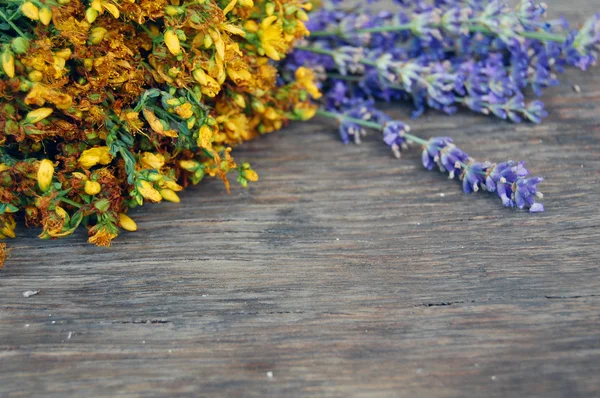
x: 511, y: 182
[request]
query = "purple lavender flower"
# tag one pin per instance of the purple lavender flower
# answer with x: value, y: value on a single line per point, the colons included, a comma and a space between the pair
x: 393, y: 135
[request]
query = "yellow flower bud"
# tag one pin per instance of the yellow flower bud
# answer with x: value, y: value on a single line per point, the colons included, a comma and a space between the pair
x: 92, y: 187
x: 88, y: 64
x: 79, y: 175
x: 246, y: 3
x: 152, y: 161
x: 208, y: 41
x: 169, y: 195
x: 3, y: 167
x: 93, y: 156
x: 7, y: 227
x: 270, y: 8
x: 189, y: 165
x: 64, y: 53
x: 45, y: 15
x: 302, y: 15
x: 30, y: 10
x: 200, y: 76
x: 44, y: 174
x: 148, y: 191
x: 239, y: 100
x: 38, y: 115
x: 172, y: 10
x: 127, y: 223
x: 172, y: 185
x: 251, y: 175
x: 91, y: 14
x: 251, y: 26
x: 172, y: 42
x: 97, y: 35
x: 8, y: 63
x: 258, y: 106
x: 35, y: 76
x: 62, y: 213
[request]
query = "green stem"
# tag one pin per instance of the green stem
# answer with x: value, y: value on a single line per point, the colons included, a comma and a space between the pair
x: 11, y: 23
x: 316, y: 50
x: 72, y: 203
x: 372, y: 125
x: 478, y: 28
x: 331, y: 53
x: 344, y: 77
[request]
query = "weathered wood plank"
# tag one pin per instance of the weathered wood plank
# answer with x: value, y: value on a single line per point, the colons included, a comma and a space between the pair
x: 344, y: 272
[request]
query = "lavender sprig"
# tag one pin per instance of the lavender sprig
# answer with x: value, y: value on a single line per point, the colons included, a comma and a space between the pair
x: 483, y: 87
x: 509, y: 180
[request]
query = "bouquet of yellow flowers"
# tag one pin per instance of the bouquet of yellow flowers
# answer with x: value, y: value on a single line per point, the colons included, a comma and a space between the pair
x: 108, y: 104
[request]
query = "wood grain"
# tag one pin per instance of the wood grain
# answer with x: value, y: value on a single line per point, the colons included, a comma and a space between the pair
x: 344, y: 272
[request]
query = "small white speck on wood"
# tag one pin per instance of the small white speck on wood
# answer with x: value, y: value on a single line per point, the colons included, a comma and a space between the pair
x: 576, y: 88
x: 270, y: 375
x: 69, y: 335
x: 30, y: 293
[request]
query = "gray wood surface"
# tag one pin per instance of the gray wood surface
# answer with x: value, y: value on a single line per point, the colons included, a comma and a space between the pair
x: 344, y: 272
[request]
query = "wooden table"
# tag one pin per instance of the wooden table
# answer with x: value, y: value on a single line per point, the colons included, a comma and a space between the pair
x: 343, y: 272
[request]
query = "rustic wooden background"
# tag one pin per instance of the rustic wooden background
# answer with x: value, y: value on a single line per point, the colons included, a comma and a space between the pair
x: 343, y: 272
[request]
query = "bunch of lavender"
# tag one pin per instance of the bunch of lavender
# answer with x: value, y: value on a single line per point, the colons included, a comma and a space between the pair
x: 509, y: 180
x: 481, y: 55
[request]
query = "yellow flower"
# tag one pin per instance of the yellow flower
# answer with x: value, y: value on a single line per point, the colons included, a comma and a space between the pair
x: 92, y: 187
x: 7, y: 227
x: 8, y: 63
x: 93, y: 156
x: 185, y: 111
x: 271, y: 38
x: 30, y: 10
x: 44, y: 174
x: 148, y: 191
x: 152, y: 160
x: 306, y: 79
x: 169, y: 195
x: 205, y: 136
x: 172, y: 42
x: 37, y: 115
x: 127, y: 223
x: 101, y: 237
